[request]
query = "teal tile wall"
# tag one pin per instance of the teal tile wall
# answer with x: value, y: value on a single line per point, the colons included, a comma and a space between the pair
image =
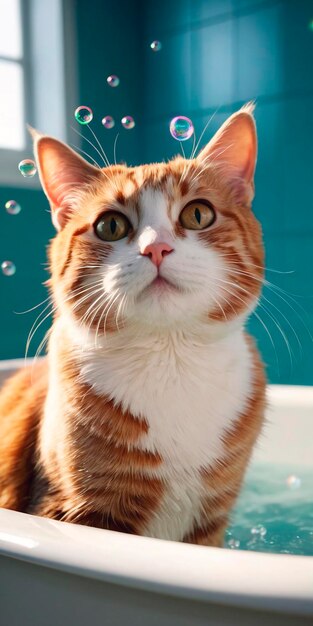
x: 23, y: 240
x: 216, y: 55
x: 212, y: 54
x: 108, y: 42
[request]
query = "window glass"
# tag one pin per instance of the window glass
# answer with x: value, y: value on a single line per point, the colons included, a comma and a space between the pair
x: 10, y: 29
x: 11, y: 106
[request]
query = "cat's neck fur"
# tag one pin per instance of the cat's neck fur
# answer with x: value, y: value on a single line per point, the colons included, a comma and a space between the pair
x: 136, y: 335
x: 163, y: 377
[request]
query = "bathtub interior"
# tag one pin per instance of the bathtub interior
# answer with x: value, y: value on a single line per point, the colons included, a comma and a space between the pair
x: 287, y: 434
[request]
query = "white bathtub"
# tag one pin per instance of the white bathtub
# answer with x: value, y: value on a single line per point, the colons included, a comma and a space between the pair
x: 53, y: 573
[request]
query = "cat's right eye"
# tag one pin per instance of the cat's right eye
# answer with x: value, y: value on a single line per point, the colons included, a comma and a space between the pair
x: 112, y: 226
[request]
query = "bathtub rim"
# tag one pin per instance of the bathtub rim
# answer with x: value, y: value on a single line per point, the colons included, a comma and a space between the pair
x: 285, y: 582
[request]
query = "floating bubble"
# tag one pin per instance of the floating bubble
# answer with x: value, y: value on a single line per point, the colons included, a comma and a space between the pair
x: 83, y: 115
x: 12, y: 207
x: 181, y: 128
x: 233, y: 543
x: 108, y: 121
x: 156, y: 46
x: 27, y: 168
x: 293, y: 482
x: 8, y: 268
x: 259, y: 530
x: 128, y: 122
x: 113, y: 80
x: 310, y: 25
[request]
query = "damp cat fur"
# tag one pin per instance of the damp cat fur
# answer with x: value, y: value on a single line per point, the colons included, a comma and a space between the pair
x: 144, y: 414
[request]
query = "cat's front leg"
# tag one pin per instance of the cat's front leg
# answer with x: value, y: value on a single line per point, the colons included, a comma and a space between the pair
x: 210, y: 534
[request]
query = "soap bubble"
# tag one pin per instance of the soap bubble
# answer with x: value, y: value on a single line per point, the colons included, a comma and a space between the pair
x: 128, y: 122
x: 83, y: 115
x: 156, y: 46
x: 233, y: 543
x: 8, y: 268
x: 293, y: 482
x: 113, y: 80
x: 12, y: 207
x: 259, y: 530
x: 181, y: 128
x: 27, y: 168
x: 108, y: 121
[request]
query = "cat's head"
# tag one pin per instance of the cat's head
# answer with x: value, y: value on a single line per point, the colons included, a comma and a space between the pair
x: 166, y: 244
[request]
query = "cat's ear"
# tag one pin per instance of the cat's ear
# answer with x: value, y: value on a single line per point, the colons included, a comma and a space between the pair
x: 62, y: 172
x: 234, y: 149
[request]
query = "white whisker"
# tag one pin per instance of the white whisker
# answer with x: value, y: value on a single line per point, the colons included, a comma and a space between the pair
x: 33, y: 308
x: 109, y: 178
x: 261, y: 322
x: 114, y: 147
x: 206, y: 126
x: 273, y: 288
x: 108, y: 310
x: 271, y: 316
x: 86, y: 154
x: 107, y: 162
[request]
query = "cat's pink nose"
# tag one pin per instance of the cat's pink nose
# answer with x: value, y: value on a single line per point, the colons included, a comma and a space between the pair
x: 156, y: 252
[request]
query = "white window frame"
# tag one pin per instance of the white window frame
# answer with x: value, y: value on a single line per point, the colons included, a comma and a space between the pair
x: 50, y: 83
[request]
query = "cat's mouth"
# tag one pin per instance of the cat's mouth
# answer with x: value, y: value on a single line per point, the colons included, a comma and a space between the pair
x: 161, y: 285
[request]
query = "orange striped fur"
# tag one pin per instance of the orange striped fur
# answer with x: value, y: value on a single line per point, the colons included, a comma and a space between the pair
x: 76, y: 442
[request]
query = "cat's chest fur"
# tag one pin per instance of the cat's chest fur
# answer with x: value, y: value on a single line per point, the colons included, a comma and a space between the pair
x: 189, y: 392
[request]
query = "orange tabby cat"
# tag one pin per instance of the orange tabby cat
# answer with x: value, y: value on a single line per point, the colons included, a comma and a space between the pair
x: 143, y: 416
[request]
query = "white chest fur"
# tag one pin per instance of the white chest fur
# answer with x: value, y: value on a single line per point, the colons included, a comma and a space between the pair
x: 189, y: 391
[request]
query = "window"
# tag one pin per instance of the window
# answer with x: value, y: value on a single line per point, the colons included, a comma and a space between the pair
x: 32, y: 79
x: 12, y: 133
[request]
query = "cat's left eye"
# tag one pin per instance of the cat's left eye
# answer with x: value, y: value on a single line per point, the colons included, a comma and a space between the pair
x: 197, y: 215
x: 112, y: 226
